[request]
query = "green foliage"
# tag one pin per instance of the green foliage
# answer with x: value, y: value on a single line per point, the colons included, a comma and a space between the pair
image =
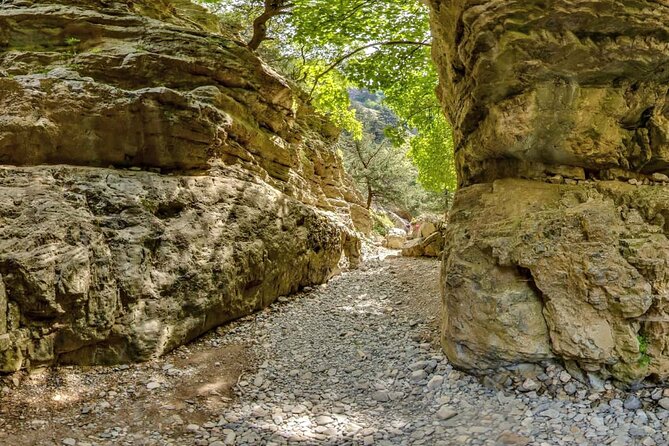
x: 382, y: 223
x: 644, y: 358
x: 382, y: 46
x: 72, y: 41
x: 400, y: 67
x: 332, y: 97
x: 381, y: 168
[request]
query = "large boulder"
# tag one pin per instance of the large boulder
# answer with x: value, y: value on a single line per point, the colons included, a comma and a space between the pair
x: 543, y: 260
x: 395, y: 238
x: 103, y: 266
x: 159, y: 180
x: 430, y: 246
x: 426, y: 238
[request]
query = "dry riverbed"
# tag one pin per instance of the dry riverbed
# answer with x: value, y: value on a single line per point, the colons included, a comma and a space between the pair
x: 352, y: 362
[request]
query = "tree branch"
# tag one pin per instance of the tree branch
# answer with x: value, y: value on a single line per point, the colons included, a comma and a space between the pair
x: 273, y: 8
x: 347, y: 56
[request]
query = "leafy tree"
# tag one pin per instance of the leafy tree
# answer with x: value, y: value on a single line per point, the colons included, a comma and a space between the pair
x: 331, y: 46
x: 382, y: 169
x: 378, y: 167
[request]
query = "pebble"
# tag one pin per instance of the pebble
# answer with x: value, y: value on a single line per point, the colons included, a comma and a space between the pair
x: 418, y: 375
x: 152, y: 385
x: 435, y: 382
x: 632, y: 402
x: 381, y: 396
x: 530, y: 385
x: 445, y: 413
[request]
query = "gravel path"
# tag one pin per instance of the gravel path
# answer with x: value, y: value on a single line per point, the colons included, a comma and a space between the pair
x: 348, y: 363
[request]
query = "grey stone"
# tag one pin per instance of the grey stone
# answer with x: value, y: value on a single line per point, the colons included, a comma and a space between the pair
x: 632, y: 402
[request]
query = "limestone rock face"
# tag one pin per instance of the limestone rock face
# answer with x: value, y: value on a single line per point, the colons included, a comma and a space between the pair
x: 557, y: 242
x: 158, y: 181
x: 101, y: 266
x: 557, y: 82
x: 96, y: 84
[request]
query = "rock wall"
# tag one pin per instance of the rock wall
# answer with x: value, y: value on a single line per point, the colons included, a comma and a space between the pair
x: 557, y: 245
x: 159, y: 179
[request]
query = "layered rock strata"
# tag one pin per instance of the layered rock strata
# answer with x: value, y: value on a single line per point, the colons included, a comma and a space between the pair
x: 557, y: 244
x: 159, y: 179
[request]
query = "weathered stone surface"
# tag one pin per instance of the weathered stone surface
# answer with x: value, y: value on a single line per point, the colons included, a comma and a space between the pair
x: 558, y: 82
x: 426, y: 238
x: 361, y: 218
x: 413, y: 248
x: 235, y: 196
x: 102, y: 266
x: 127, y: 90
x: 433, y: 244
x: 556, y: 265
x: 536, y: 270
x: 430, y: 246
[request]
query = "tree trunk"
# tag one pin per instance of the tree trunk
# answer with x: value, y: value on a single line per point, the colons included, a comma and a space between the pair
x: 273, y: 8
x: 370, y: 194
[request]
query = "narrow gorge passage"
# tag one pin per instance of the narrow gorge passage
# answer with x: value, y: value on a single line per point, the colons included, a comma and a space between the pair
x: 353, y: 362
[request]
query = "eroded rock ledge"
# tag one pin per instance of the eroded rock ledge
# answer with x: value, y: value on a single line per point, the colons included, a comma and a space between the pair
x: 557, y: 244
x: 158, y: 181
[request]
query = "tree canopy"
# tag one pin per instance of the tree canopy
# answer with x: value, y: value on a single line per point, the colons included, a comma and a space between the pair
x: 331, y: 46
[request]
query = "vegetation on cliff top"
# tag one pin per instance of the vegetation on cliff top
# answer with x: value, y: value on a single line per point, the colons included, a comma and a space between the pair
x: 383, y: 46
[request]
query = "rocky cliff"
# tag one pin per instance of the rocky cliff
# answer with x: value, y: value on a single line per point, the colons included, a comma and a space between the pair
x: 557, y: 244
x: 158, y: 179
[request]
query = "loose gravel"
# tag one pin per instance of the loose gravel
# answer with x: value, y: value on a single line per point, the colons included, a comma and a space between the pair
x: 353, y: 362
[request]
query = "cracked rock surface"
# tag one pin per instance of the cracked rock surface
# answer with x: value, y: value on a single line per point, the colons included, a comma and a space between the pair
x: 557, y: 244
x: 157, y: 180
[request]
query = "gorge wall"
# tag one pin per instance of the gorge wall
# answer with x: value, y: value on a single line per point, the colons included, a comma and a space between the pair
x: 557, y: 245
x: 157, y: 180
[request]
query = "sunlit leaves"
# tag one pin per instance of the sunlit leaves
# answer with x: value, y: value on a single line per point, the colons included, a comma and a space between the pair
x: 319, y: 45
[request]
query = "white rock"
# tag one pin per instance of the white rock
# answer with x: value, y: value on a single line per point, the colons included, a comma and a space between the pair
x: 660, y: 177
x: 445, y: 413
x: 418, y: 375
x: 435, y: 382
x: 323, y: 420
x: 565, y: 377
x: 153, y: 385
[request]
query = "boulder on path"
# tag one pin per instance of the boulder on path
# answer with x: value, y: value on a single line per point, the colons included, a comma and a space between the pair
x: 430, y: 246
x: 395, y: 238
